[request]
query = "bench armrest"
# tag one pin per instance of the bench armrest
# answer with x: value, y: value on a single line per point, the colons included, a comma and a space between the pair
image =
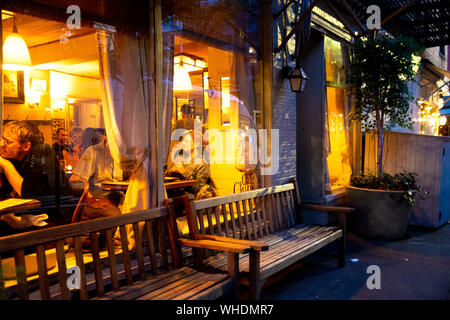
x: 345, y: 210
x: 215, y: 245
x: 255, y: 245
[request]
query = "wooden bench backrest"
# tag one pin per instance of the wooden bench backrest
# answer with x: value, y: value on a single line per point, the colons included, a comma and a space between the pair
x: 248, y: 215
x: 150, y: 224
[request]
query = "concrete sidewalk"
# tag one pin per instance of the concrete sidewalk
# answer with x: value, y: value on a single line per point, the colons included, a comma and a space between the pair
x: 417, y: 267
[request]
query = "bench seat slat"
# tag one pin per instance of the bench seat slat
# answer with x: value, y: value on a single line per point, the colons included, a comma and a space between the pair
x: 181, y: 283
x: 288, y: 247
x: 272, y: 240
x: 202, y: 280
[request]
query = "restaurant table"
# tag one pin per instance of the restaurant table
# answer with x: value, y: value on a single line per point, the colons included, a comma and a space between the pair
x: 18, y: 204
x: 172, y: 184
x: 122, y: 186
x: 180, y: 184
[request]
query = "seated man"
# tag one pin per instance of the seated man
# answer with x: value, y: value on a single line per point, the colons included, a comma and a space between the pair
x: 30, y: 170
x: 200, y: 172
x: 187, y: 121
x: 190, y: 170
x: 97, y: 166
x: 72, y: 154
x: 60, y: 145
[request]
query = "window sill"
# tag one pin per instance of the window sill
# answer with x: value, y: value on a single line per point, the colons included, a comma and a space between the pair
x: 336, y: 197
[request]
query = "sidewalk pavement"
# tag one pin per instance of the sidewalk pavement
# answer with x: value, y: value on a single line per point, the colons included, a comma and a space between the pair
x: 416, y: 267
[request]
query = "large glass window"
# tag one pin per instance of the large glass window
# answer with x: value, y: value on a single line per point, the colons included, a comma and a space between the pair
x: 75, y: 112
x: 211, y: 68
x: 336, y: 125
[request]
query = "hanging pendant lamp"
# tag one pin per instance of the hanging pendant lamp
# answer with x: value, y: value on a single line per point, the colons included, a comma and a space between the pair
x: 15, y: 51
x: 181, y: 79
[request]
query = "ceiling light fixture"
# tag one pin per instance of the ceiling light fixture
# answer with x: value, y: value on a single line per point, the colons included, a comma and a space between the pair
x: 15, y: 51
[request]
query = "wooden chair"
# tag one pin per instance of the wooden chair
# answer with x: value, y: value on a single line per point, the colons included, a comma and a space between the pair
x: 78, y: 209
x: 150, y: 271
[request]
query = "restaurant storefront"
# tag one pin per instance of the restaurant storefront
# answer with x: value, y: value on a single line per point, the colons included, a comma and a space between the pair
x: 182, y: 90
x: 134, y: 98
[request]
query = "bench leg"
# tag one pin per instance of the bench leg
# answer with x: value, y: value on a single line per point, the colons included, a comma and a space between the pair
x: 343, y: 226
x: 341, y: 257
x: 255, y: 275
x: 233, y: 269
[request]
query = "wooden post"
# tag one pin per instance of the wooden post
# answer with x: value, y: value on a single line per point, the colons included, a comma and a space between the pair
x: 255, y: 275
x: 173, y: 234
x: 267, y: 43
x: 233, y: 270
x: 21, y: 274
x: 156, y: 108
x: 343, y: 226
x: 1, y: 75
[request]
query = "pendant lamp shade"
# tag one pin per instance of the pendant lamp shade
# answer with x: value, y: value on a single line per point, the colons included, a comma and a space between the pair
x: 181, y: 79
x: 15, y: 52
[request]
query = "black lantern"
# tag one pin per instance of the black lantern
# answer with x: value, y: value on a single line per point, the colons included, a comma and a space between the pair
x: 298, y: 79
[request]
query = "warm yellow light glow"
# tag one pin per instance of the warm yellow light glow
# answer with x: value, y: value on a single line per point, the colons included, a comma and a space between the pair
x: 34, y: 98
x: 181, y: 79
x: 58, y: 104
x: 35, y: 92
x: 191, y: 63
x: 37, y: 84
x: 226, y: 100
x: 15, y: 53
x: 442, y: 120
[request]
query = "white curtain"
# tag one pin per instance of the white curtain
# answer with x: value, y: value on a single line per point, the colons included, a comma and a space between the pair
x: 168, y: 48
x: 125, y: 101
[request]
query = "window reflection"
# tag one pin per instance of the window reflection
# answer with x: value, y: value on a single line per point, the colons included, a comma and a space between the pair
x: 338, y: 161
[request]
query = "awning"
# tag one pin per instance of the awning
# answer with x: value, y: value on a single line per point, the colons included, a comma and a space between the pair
x: 427, y: 21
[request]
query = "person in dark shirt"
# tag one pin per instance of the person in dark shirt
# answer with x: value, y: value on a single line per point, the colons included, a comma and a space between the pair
x: 187, y: 121
x: 60, y: 145
x: 30, y: 170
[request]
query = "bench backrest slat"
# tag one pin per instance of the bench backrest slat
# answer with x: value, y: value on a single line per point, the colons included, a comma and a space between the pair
x: 80, y: 263
x: 42, y: 267
x: 207, y: 203
x: 112, y: 258
x: 21, y: 274
x: 248, y: 215
x: 33, y: 238
x: 62, y: 270
x: 80, y: 234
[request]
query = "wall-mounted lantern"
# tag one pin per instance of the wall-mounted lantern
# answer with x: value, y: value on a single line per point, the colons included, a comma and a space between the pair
x: 298, y: 79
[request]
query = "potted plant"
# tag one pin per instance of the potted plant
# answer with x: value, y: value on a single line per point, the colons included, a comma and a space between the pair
x: 380, y: 69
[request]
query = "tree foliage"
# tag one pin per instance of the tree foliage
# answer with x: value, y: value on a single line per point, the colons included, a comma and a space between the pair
x: 380, y: 70
x: 379, y: 73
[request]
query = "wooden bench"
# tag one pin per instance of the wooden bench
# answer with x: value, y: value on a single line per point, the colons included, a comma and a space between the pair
x: 269, y: 221
x: 152, y: 270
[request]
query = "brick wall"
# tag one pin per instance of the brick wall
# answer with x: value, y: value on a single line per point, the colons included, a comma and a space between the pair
x: 284, y: 119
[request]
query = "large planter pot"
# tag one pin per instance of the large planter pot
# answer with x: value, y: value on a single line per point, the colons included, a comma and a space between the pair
x: 379, y: 214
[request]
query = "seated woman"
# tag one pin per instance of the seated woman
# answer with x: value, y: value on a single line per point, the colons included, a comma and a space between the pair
x: 97, y: 166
